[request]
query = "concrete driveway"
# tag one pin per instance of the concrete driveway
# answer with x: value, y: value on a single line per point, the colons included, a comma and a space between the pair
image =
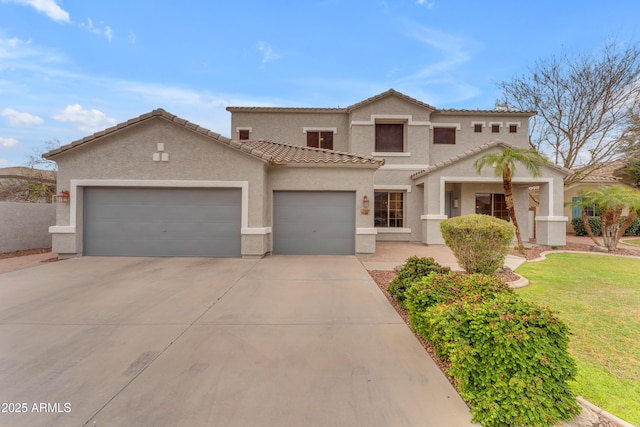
x: 282, y: 341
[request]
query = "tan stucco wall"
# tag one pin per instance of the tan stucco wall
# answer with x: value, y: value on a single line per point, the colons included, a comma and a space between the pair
x: 416, y: 130
x: 288, y: 127
x: 25, y: 225
x: 128, y: 155
x: 467, y: 139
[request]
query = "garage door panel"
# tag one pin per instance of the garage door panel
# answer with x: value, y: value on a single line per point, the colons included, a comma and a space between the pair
x: 320, y: 222
x: 162, y: 221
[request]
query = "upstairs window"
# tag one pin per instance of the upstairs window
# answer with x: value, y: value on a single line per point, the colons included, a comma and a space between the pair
x: 320, y: 139
x: 390, y: 137
x: 477, y: 128
x: 495, y: 128
x: 444, y: 135
x: 513, y: 128
x: 243, y: 134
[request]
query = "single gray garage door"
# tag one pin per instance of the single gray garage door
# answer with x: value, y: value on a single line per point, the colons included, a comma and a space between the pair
x: 314, y: 222
x: 162, y: 221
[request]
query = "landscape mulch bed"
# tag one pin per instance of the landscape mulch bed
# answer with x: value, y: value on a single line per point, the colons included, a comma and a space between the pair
x: 24, y: 253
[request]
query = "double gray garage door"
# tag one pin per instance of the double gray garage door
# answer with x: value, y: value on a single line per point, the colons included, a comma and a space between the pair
x: 162, y: 221
x: 206, y: 222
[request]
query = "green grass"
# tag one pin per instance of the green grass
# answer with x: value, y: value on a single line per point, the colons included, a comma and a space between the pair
x: 598, y: 297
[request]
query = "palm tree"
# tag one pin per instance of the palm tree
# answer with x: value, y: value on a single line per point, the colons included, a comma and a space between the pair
x: 504, y: 165
x: 609, y: 202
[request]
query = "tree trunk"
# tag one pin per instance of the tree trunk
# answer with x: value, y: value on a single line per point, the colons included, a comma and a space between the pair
x: 613, y: 229
x: 587, y: 227
x: 627, y: 223
x: 508, y: 198
x: 610, y: 225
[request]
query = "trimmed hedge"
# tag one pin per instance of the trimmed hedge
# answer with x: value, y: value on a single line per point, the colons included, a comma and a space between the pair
x: 508, y: 357
x: 413, y: 269
x: 479, y: 242
x: 594, y: 223
x: 449, y: 288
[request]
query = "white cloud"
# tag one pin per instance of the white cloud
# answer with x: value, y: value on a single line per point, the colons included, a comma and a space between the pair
x: 4, y: 162
x: 8, y: 142
x: 18, y: 118
x: 48, y: 7
x: 100, y: 29
x: 427, y: 3
x: 87, y: 120
x: 132, y: 37
x: 267, y: 52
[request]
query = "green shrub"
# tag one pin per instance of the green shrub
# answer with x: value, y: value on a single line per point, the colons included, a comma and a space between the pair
x: 578, y: 226
x: 480, y: 243
x: 413, y: 269
x: 594, y: 223
x: 451, y: 287
x: 508, y: 357
x: 634, y: 228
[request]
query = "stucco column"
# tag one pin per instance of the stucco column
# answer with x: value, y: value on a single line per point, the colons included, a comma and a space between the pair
x: 551, y: 223
x: 433, y: 211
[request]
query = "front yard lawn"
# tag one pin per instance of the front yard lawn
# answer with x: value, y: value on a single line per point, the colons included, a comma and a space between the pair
x: 599, y: 299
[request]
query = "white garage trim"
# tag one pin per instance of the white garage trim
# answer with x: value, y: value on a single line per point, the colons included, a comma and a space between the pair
x: 75, y: 183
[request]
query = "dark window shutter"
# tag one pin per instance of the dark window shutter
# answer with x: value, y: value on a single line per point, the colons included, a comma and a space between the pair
x: 444, y: 135
x: 243, y: 134
x: 326, y: 140
x: 313, y: 139
x: 389, y: 137
x: 477, y: 128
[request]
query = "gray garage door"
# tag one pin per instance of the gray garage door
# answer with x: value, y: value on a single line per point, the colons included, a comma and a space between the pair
x: 162, y: 222
x: 314, y: 222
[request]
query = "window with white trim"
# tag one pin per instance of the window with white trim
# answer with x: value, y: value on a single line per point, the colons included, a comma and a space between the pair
x: 320, y: 139
x: 444, y: 135
x: 388, y: 209
x: 389, y: 137
x: 492, y: 204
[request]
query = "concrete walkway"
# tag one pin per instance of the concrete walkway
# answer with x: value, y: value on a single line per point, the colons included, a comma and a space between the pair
x: 391, y: 254
x: 27, y: 261
x: 282, y: 341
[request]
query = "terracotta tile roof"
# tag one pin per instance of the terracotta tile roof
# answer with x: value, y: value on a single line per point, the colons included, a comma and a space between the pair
x: 281, y: 153
x: 488, y: 112
x: 269, y: 151
x: 607, y: 172
x: 287, y: 109
x: 390, y: 92
x: 473, y: 152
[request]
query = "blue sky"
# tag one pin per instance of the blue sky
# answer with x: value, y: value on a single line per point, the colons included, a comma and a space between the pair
x: 69, y: 68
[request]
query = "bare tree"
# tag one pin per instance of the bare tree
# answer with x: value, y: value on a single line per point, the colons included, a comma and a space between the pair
x: 630, y: 150
x: 583, y: 104
x: 34, y: 184
x: 35, y: 159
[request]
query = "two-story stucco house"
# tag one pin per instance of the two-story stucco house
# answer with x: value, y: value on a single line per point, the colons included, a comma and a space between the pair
x: 429, y: 153
x: 290, y: 181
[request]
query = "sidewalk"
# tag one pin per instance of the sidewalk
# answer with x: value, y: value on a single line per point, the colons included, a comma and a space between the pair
x: 391, y: 254
x: 21, y: 262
